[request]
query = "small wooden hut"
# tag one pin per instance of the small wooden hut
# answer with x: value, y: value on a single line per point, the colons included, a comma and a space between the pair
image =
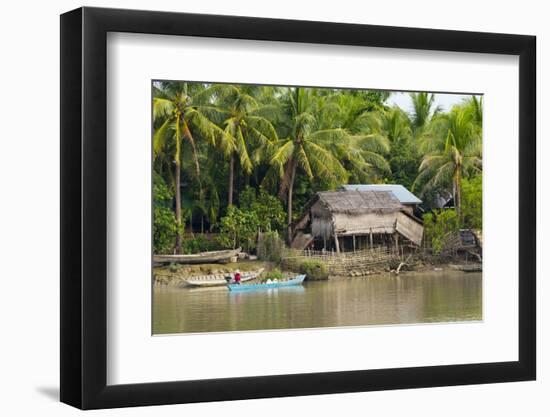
x: 353, y: 220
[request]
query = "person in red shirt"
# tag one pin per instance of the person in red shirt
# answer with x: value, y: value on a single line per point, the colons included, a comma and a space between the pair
x: 237, y: 277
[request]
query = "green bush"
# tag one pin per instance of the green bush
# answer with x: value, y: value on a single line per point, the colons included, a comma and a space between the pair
x: 438, y: 225
x: 270, y: 247
x: 164, y: 221
x: 267, y: 208
x: 257, y: 212
x: 238, y: 228
x: 472, y: 203
x: 164, y: 230
x: 314, y: 269
x: 198, y: 244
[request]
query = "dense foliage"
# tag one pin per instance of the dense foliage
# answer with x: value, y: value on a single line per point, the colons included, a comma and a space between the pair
x: 472, y: 203
x: 234, y: 160
x: 164, y: 222
x: 199, y: 243
x: 268, y: 208
x: 438, y: 225
x: 314, y: 270
x: 238, y: 228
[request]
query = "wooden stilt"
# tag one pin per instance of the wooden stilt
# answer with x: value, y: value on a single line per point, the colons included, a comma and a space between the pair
x: 370, y: 238
x: 396, y: 237
x: 336, y: 243
x: 353, y: 236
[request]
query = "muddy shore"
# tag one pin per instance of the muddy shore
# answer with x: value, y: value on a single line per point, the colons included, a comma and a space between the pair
x: 176, y: 275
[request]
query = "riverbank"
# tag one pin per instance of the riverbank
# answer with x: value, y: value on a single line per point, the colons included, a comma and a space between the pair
x: 445, y: 264
x: 176, y: 275
x: 427, y: 271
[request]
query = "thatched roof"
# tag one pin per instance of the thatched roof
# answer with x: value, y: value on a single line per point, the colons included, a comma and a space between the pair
x: 359, y: 202
x: 402, y: 194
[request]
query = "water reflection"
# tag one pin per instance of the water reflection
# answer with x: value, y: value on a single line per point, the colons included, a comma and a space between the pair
x: 418, y: 298
x: 269, y: 292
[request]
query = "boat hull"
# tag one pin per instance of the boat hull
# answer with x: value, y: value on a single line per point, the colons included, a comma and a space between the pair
x: 219, y: 279
x: 298, y: 280
x: 198, y: 258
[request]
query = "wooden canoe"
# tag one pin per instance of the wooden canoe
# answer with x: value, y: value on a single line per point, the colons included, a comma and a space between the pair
x: 219, y: 279
x: 198, y: 258
x: 297, y: 280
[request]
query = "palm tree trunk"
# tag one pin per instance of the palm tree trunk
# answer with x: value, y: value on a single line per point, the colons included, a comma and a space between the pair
x: 289, y: 202
x: 191, y: 140
x: 177, y: 172
x: 458, y: 203
x: 231, y: 174
x: 285, y: 181
x: 177, y: 194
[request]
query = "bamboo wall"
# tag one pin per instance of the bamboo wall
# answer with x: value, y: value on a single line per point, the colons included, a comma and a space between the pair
x: 410, y: 228
x: 356, y: 224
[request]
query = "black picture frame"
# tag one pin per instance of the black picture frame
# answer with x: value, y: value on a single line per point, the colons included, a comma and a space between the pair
x: 84, y: 207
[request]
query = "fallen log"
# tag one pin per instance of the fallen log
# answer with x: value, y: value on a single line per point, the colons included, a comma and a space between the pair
x: 477, y: 255
x: 401, y: 264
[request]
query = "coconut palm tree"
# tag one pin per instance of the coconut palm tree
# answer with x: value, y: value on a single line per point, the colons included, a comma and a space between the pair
x: 392, y: 124
x: 453, y: 151
x: 362, y: 152
x: 243, y: 125
x: 305, y: 145
x: 181, y: 113
x: 423, y: 111
x: 476, y: 107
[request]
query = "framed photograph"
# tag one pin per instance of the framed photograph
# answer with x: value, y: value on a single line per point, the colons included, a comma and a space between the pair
x: 257, y: 208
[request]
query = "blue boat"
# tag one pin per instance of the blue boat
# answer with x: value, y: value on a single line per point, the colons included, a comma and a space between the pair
x: 297, y: 280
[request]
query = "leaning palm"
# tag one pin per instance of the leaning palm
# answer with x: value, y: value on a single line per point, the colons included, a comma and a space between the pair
x: 181, y: 113
x: 305, y: 147
x: 453, y: 151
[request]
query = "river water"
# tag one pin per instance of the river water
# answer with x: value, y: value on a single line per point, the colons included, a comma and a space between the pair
x: 408, y: 298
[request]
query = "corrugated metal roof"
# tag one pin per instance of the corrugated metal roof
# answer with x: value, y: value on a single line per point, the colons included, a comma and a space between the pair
x: 402, y: 194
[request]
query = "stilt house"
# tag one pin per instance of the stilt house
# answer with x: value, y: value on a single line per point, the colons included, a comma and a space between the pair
x: 354, y: 220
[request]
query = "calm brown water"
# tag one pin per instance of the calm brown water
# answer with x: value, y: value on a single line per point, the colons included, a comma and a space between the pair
x: 408, y: 298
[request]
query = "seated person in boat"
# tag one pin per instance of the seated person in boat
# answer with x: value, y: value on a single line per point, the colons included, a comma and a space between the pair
x: 237, y: 277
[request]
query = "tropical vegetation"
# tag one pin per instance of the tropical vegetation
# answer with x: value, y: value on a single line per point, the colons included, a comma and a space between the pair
x: 231, y: 160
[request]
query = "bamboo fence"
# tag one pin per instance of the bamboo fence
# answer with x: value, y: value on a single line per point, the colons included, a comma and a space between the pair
x: 346, y: 263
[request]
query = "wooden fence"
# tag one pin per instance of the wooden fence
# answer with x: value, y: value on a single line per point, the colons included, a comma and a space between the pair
x: 346, y: 263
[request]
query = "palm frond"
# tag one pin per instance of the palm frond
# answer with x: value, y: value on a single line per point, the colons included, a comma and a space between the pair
x: 283, y: 153
x: 159, y: 137
x: 242, y: 152
x: 262, y: 129
x: 303, y: 162
x: 329, y: 136
x: 323, y: 162
x: 162, y: 107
